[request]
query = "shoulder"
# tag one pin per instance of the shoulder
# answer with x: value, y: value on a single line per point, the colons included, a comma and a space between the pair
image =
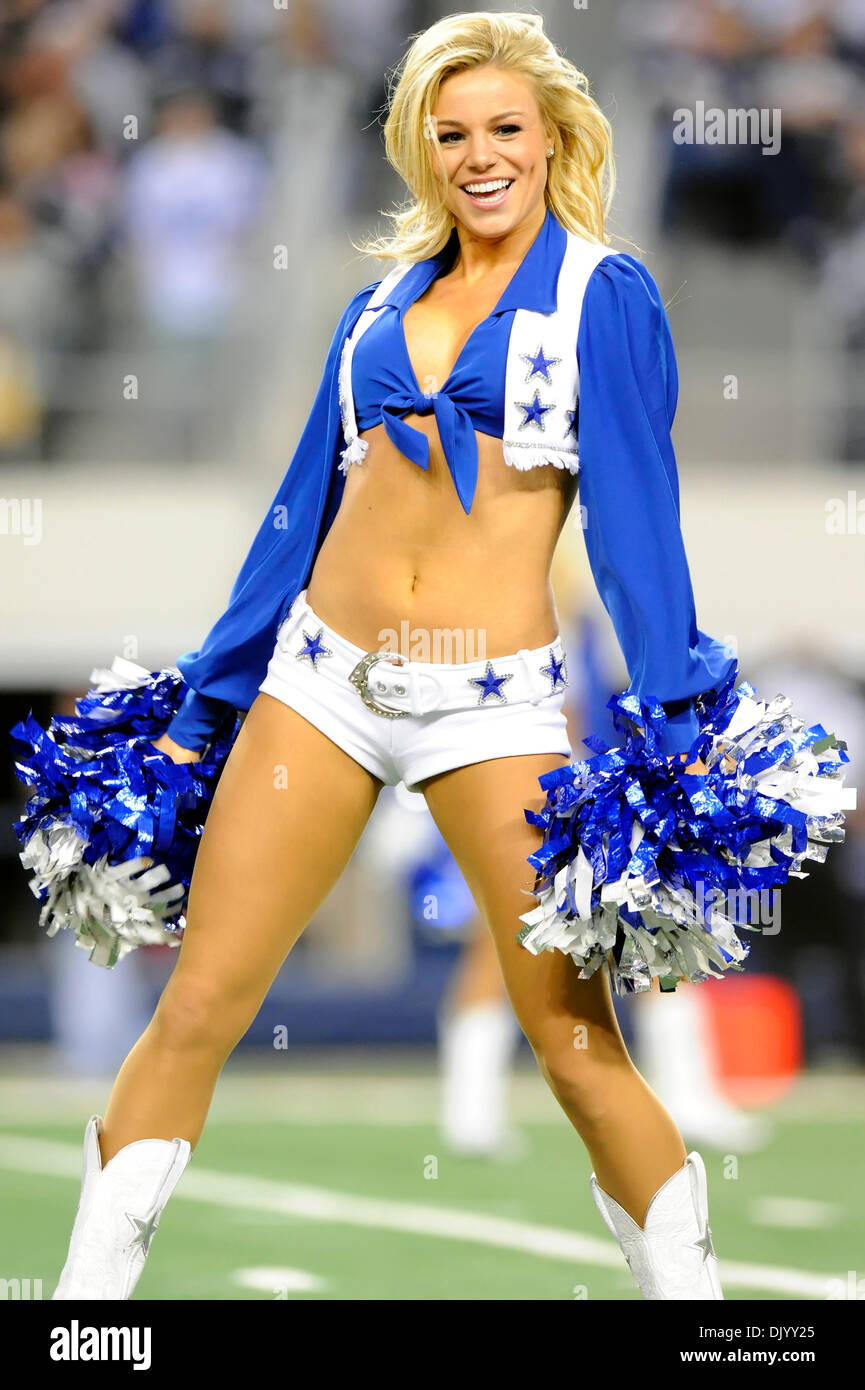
x: 622, y: 282
x: 350, y: 315
x: 363, y: 296
x: 359, y: 300
x: 623, y: 309
x: 624, y: 334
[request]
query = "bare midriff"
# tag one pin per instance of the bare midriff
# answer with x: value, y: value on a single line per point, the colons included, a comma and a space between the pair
x: 403, y: 563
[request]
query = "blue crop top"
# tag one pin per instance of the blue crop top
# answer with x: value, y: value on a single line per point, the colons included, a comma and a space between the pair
x: 629, y: 493
x: 385, y: 388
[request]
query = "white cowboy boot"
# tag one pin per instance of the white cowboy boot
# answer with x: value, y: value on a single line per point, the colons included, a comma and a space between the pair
x: 118, y: 1212
x: 672, y: 1256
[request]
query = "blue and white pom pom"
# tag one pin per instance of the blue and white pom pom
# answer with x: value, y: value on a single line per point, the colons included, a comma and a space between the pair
x: 640, y: 860
x: 113, y: 825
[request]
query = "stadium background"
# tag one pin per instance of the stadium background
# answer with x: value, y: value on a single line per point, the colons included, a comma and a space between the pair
x: 178, y: 185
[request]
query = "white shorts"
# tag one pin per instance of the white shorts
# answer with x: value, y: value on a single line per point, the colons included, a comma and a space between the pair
x: 483, y: 709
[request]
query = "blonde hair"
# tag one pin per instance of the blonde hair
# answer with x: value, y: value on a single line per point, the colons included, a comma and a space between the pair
x: 580, y: 172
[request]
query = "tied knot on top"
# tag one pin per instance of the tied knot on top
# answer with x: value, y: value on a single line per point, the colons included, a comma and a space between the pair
x: 411, y: 442
x: 455, y: 429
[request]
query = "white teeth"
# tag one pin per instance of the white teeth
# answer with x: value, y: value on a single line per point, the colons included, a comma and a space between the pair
x: 487, y: 187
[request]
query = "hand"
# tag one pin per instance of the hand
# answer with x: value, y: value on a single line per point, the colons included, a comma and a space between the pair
x: 177, y: 754
x: 699, y: 768
x: 696, y: 769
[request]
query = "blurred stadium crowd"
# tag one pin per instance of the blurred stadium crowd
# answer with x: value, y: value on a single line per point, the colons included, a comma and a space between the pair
x: 153, y: 152
x: 804, y: 59
x: 145, y: 144
x: 140, y: 146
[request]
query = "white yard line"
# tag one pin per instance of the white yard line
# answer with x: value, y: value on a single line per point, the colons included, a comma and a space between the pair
x: 50, y: 1158
x: 346, y: 1096
x: 279, y: 1282
x: 341, y: 1099
x: 795, y: 1212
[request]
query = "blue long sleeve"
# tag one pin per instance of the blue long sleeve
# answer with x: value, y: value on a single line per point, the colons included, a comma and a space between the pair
x: 198, y: 719
x: 629, y: 489
x: 225, y: 673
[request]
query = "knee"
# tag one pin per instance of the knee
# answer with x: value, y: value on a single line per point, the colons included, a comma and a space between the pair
x: 195, y: 1015
x: 584, y: 1081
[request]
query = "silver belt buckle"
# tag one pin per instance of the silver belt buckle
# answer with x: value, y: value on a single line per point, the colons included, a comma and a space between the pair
x: 359, y: 678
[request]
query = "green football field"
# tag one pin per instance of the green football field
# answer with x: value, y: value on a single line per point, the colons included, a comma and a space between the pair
x: 326, y: 1177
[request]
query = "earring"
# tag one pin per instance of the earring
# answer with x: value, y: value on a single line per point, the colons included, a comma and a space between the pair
x: 551, y: 151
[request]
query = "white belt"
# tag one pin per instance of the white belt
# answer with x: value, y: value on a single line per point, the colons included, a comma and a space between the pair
x: 394, y: 686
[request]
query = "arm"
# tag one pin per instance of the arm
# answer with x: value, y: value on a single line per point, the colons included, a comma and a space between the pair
x: 278, y: 559
x: 194, y: 725
x: 629, y: 487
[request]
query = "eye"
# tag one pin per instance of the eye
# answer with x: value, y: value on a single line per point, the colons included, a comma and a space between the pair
x: 451, y: 135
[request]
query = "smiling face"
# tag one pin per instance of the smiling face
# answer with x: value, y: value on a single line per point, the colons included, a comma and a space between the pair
x: 490, y: 130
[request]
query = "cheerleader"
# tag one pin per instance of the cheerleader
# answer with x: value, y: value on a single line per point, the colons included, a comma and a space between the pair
x: 507, y: 353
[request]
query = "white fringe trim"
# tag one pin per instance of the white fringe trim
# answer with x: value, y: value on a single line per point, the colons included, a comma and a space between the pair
x: 525, y: 457
x: 354, y: 452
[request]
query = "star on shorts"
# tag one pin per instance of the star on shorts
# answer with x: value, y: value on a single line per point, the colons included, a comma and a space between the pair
x: 490, y: 684
x: 313, y: 648
x: 556, y: 671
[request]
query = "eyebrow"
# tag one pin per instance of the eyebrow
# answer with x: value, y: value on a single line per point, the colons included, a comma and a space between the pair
x: 447, y: 120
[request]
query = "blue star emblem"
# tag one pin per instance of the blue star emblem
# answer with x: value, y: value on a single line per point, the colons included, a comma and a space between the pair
x: 545, y: 363
x: 490, y: 684
x: 313, y: 648
x: 556, y: 671
x: 535, y: 412
x: 572, y: 423
x: 144, y: 1230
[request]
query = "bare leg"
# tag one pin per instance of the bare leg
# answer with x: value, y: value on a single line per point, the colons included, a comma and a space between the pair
x: 570, y: 1023
x: 286, y: 816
